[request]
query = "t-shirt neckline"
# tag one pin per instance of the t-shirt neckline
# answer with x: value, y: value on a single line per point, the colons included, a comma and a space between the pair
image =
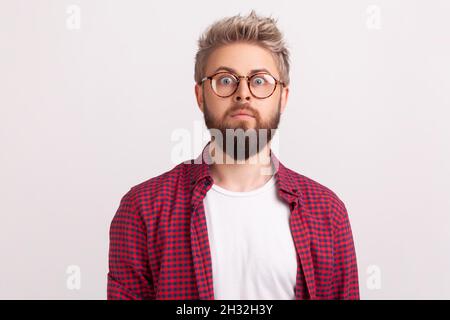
x: 253, y: 192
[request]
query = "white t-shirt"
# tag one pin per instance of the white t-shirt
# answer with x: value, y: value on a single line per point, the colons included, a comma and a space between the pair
x: 252, y: 249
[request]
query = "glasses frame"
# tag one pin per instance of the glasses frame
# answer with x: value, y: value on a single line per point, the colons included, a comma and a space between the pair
x: 238, y: 79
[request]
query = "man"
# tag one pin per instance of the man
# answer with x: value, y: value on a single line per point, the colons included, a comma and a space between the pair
x: 234, y: 223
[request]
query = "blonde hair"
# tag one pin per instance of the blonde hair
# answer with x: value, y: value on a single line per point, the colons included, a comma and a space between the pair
x: 252, y: 29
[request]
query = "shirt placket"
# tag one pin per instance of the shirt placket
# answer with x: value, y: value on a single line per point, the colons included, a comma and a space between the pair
x: 200, y: 243
x: 299, y: 231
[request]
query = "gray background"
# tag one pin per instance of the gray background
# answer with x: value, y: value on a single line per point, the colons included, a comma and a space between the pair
x: 87, y: 113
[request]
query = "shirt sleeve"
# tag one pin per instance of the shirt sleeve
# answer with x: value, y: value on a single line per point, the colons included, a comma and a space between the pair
x: 345, y: 271
x: 129, y: 276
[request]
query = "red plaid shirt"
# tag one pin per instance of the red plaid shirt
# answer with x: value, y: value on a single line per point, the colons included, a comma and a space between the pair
x: 159, y: 245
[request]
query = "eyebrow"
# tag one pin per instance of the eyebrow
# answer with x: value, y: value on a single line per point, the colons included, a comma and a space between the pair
x: 234, y: 71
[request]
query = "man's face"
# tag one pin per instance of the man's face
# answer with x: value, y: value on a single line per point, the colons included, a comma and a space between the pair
x: 220, y: 113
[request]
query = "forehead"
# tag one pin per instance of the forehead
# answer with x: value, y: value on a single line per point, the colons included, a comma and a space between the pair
x: 242, y: 57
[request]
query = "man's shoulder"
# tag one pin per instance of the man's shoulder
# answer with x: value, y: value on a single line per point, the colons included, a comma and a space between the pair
x: 309, y: 186
x: 163, y: 182
x: 315, y: 194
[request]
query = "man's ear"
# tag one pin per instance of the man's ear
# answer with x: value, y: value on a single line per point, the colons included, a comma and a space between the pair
x: 284, y: 98
x: 199, y: 96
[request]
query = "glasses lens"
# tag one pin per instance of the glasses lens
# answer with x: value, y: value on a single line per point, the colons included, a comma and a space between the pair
x: 224, y: 83
x: 262, y: 85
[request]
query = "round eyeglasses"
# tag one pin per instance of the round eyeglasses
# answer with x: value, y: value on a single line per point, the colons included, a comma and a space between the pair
x: 261, y: 85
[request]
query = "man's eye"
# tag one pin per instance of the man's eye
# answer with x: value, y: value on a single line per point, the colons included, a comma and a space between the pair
x: 259, y: 81
x: 226, y: 80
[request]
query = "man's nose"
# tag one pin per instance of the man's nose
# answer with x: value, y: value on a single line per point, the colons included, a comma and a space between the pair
x: 242, y: 92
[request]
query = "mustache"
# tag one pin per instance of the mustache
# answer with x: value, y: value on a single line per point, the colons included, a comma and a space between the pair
x: 245, y: 108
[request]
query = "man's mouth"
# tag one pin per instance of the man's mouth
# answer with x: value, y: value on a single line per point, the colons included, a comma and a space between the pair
x: 242, y: 115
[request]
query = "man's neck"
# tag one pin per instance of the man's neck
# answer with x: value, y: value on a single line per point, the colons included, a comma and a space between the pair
x: 242, y: 176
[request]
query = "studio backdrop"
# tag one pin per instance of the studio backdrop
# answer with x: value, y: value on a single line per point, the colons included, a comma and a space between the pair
x: 98, y: 96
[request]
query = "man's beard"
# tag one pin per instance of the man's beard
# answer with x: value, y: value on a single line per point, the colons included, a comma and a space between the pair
x: 242, y: 145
